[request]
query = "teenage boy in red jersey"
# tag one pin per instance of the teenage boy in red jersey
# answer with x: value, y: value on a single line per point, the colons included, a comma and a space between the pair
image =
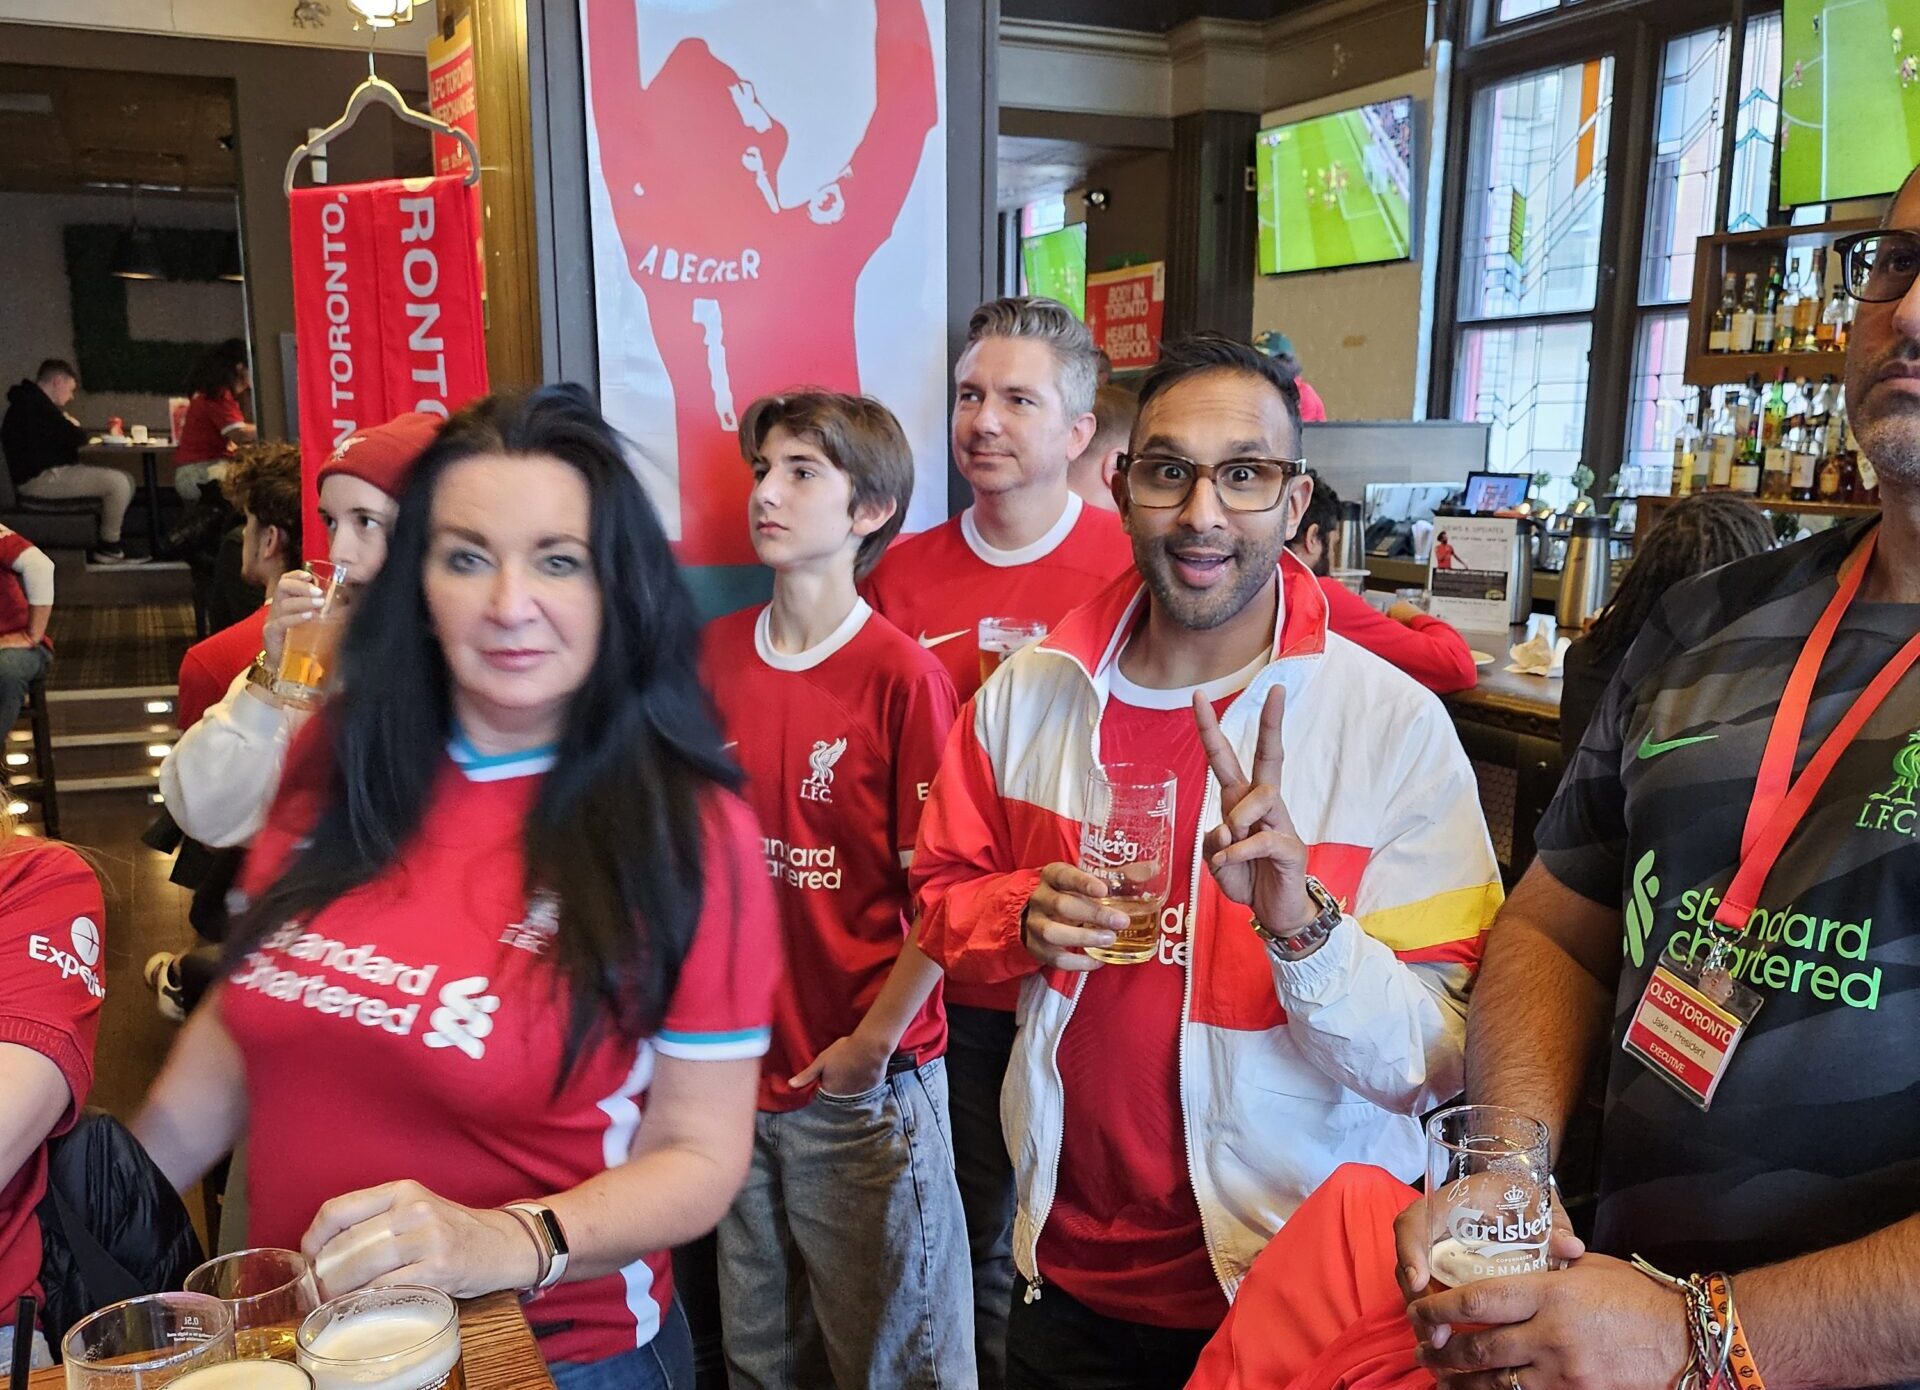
x: 1305, y: 1002
x: 1030, y: 548
x: 842, y: 1261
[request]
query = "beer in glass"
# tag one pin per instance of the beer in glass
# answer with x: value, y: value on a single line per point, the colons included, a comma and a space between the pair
x: 306, y: 656
x: 402, y: 1337
x: 1000, y: 638
x: 1489, y: 1194
x: 145, y: 1343
x: 268, y: 1292
x: 1126, y: 841
x: 246, y: 1375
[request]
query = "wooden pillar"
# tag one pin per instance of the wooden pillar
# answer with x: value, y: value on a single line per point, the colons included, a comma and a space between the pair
x: 1211, y: 237
x: 506, y: 184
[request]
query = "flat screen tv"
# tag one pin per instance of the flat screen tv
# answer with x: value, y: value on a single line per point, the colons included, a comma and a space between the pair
x: 1336, y: 190
x: 1849, y: 98
x: 1055, y: 265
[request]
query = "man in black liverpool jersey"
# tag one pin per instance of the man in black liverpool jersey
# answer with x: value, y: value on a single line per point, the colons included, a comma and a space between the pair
x: 1686, y: 876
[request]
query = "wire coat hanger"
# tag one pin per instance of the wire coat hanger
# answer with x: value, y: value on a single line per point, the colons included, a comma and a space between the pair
x: 377, y: 91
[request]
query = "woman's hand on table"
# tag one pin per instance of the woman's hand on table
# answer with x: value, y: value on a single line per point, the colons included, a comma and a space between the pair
x: 402, y: 1233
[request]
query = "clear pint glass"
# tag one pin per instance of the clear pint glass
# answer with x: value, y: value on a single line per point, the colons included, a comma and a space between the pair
x: 403, y: 1337
x: 1489, y: 1194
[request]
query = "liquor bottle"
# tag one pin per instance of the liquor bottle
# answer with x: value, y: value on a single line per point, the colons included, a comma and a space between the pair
x: 1787, y: 316
x: 1776, y: 469
x: 1767, y: 321
x: 1829, y: 336
x: 1741, y: 337
x: 1834, y: 485
x: 1720, y: 336
x: 1844, y: 332
x: 1806, y: 315
x: 1722, y: 439
x: 1806, y: 451
x: 1686, y: 455
x: 1749, y: 413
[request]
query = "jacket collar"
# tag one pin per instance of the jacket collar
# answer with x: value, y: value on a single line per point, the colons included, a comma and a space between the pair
x: 1092, y: 635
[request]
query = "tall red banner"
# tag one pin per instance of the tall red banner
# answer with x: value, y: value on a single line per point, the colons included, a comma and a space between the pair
x: 1125, y: 312
x: 386, y: 309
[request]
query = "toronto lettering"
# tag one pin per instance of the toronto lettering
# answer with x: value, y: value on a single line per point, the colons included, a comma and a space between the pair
x: 420, y: 273
x: 339, y: 309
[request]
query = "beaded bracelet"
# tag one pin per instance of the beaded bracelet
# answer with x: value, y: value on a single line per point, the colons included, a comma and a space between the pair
x: 1709, y: 1330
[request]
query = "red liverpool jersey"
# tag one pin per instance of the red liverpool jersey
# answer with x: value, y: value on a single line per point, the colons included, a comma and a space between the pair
x: 839, y: 743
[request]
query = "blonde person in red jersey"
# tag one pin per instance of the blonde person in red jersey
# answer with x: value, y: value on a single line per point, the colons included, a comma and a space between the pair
x: 843, y: 1261
x: 1028, y: 548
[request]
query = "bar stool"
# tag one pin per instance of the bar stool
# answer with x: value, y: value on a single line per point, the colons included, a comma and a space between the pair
x: 42, y: 786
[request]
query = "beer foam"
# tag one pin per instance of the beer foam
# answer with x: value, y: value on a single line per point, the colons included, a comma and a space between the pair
x: 383, y: 1349
x: 246, y: 1375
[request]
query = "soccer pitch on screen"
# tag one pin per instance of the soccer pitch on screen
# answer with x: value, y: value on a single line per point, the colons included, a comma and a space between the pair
x: 1337, y: 190
x: 1849, y: 98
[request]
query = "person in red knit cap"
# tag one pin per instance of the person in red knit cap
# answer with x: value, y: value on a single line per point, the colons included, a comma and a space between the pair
x: 219, y: 780
x: 1421, y: 645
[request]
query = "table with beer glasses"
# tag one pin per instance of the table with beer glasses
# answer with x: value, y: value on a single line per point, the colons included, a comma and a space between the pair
x: 497, y: 1349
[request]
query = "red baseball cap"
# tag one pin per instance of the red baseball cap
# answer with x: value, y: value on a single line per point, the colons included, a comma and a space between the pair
x: 383, y: 455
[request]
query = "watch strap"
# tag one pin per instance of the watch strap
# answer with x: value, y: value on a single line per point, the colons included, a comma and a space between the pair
x: 1309, y: 937
x: 548, y: 1235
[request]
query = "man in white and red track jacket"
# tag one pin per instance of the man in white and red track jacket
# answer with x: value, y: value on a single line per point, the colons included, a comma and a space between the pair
x: 1166, y: 1118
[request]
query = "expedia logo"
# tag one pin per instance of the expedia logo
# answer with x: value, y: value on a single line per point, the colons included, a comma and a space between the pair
x: 77, y: 963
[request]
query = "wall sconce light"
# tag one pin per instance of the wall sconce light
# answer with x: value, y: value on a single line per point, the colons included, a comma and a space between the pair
x: 1095, y: 199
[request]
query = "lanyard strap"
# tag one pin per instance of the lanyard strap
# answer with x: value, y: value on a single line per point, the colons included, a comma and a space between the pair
x: 1780, y: 800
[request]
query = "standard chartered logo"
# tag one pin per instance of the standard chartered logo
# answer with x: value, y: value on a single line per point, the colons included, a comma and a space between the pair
x: 464, y: 1018
x: 1782, y: 949
x: 1639, y: 910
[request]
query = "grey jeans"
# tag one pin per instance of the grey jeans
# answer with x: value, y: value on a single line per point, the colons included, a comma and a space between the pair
x: 843, y: 1262
x: 40, y: 1358
x: 113, y: 487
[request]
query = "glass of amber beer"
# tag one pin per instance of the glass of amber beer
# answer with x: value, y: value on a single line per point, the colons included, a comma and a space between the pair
x: 307, y: 654
x: 1489, y: 1194
x: 147, y: 1342
x: 1000, y: 638
x: 269, y: 1293
x: 402, y: 1337
x: 1126, y: 841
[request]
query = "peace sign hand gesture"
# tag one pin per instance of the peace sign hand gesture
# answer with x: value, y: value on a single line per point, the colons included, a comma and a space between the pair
x: 1255, y: 854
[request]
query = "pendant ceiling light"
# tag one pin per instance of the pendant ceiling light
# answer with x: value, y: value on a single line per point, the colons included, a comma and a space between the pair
x: 382, y: 14
x: 137, y: 256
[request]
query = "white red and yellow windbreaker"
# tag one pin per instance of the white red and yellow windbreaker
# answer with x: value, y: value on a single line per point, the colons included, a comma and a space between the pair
x: 1286, y: 1070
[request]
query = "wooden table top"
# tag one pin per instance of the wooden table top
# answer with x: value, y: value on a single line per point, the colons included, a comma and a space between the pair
x: 497, y: 1349
x: 1506, y: 696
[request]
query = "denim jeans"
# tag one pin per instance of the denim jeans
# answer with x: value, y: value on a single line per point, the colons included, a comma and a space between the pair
x: 843, y: 1260
x: 39, y: 1359
x: 979, y: 1043
x: 19, y: 668
x: 665, y: 1363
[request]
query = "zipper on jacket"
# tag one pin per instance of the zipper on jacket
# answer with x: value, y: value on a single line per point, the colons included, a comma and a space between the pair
x: 1186, y: 1014
x: 1053, y: 1185
x: 1033, y: 1284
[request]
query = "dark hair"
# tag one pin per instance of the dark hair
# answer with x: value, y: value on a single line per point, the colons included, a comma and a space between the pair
x: 56, y: 366
x: 1323, y: 510
x: 616, y: 830
x: 218, y: 368
x: 859, y: 436
x: 1697, y: 534
x: 264, y: 482
x: 1199, y: 353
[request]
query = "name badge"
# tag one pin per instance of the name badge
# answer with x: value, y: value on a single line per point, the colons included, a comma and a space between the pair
x: 1686, y: 1032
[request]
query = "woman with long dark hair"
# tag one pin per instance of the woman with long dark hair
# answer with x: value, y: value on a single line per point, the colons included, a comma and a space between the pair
x: 506, y: 900
x: 1703, y: 532
x: 215, y: 420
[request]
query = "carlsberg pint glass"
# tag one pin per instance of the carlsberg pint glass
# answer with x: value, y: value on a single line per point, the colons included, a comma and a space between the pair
x: 1489, y: 1194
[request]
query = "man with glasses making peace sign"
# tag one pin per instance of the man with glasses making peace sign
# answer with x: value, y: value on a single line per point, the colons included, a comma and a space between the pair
x: 1306, y: 995
x: 1723, y: 911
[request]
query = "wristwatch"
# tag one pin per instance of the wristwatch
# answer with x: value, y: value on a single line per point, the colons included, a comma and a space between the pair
x: 1305, y: 941
x: 545, y: 1229
x: 258, y: 676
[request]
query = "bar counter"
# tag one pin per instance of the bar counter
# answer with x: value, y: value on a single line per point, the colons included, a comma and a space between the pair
x: 1509, y: 725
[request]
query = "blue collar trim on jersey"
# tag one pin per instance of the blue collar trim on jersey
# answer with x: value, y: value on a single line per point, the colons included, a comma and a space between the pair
x: 480, y: 767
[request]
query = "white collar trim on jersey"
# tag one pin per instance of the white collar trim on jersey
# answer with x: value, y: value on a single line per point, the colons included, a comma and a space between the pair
x: 1026, y: 554
x: 805, y: 661
x: 476, y: 766
x: 1147, y: 697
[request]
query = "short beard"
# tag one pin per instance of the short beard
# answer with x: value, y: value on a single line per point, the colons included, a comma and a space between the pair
x: 1204, y: 611
x: 1891, y: 441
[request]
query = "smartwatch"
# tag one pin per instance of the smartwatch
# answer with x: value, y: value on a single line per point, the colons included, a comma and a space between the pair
x: 544, y: 1227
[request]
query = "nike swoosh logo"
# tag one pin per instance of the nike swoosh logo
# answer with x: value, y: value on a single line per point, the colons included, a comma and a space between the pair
x: 1650, y: 749
x: 927, y: 641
